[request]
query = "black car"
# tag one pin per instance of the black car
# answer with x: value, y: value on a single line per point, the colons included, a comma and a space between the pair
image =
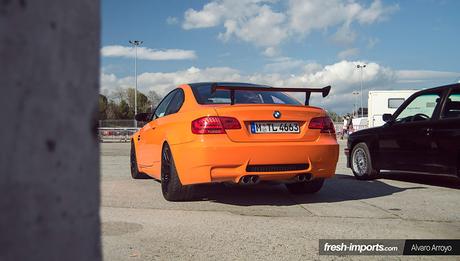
x: 422, y: 136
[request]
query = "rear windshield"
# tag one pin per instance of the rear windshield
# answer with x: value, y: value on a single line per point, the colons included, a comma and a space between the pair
x: 203, y: 95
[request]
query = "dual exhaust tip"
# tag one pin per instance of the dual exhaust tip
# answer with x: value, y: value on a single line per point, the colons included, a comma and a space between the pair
x: 249, y: 179
x: 303, y: 177
x: 254, y: 179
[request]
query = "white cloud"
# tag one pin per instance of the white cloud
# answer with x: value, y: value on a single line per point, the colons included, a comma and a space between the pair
x: 147, y: 53
x: 209, y: 16
x: 271, y: 52
x: 306, y: 16
x: 284, y: 64
x: 163, y: 82
x: 348, y: 53
x: 408, y: 76
x: 252, y: 21
x: 343, y: 76
x: 344, y: 35
x: 257, y: 22
x: 376, y: 12
x: 171, y: 20
x: 371, y: 42
x: 263, y: 29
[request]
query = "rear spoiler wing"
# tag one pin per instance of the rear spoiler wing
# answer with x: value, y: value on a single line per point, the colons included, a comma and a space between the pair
x: 324, y: 91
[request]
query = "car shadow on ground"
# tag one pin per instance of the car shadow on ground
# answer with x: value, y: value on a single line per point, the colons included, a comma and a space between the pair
x: 432, y: 180
x: 338, y: 189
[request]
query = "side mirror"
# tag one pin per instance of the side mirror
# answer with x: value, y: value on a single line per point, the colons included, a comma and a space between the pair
x: 386, y: 117
x: 144, y: 116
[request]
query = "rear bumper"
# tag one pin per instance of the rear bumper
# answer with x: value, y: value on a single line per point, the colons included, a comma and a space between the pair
x: 217, y: 159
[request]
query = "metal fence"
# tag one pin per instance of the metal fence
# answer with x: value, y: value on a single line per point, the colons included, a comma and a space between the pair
x: 117, y: 123
x: 117, y: 130
x: 116, y: 134
x: 339, y: 128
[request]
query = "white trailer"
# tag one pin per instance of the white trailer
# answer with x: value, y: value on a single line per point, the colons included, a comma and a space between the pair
x: 381, y: 102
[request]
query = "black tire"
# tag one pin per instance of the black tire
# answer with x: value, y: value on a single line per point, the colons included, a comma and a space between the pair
x: 171, y: 187
x: 135, y: 174
x: 308, y: 187
x: 361, y: 162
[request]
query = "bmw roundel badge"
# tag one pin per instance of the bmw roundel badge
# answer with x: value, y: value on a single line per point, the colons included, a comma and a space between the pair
x: 277, y: 114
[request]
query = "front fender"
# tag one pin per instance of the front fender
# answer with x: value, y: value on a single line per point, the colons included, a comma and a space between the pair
x: 371, y: 140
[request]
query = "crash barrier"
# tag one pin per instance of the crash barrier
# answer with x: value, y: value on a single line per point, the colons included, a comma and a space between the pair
x: 359, y: 127
x: 117, y: 130
x: 117, y: 123
x: 339, y: 129
x: 116, y: 134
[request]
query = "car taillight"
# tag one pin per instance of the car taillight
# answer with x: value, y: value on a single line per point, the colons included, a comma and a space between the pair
x: 214, y: 125
x: 325, y: 124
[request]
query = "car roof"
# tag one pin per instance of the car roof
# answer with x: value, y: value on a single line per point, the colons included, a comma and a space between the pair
x: 454, y: 85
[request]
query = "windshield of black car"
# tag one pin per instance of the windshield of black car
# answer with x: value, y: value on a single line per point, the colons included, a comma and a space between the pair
x: 204, y: 95
x: 420, y: 108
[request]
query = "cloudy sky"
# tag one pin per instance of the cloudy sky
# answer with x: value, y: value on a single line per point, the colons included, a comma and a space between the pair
x: 295, y: 43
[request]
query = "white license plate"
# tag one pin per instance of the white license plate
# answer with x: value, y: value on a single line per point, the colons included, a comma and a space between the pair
x: 275, y: 127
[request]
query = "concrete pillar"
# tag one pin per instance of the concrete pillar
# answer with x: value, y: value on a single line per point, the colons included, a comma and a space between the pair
x: 49, y: 158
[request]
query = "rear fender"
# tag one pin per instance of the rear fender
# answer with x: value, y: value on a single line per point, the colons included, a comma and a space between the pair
x: 134, y: 138
x: 179, y: 126
x: 188, y: 176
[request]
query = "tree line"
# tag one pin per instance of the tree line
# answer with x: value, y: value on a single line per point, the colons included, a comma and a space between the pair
x: 119, y: 104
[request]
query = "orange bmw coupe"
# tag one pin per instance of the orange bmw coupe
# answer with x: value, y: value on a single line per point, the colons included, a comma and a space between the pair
x: 234, y: 132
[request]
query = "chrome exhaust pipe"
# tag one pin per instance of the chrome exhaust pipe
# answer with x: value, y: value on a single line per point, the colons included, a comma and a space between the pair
x: 301, y: 177
x: 245, y: 180
x: 249, y: 179
x: 304, y: 177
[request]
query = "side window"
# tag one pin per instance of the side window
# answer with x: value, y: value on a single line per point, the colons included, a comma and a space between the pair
x: 420, y: 109
x: 161, y: 109
x: 452, y: 107
x: 176, y: 102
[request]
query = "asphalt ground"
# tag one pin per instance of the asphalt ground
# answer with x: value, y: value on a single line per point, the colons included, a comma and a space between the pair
x: 265, y: 222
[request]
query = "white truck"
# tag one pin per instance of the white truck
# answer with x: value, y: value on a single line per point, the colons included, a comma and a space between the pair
x: 381, y: 102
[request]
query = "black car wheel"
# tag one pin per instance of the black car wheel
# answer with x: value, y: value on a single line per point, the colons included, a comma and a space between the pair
x: 361, y: 163
x: 135, y: 174
x: 308, y: 187
x: 171, y: 187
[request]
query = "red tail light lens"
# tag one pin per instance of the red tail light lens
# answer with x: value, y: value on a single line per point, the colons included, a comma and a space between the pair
x: 214, y: 125
x: 230, y: 123
x: 325, y: 124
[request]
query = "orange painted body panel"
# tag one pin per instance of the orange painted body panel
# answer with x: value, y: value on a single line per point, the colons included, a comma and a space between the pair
x: 204, y: 158
x: 217, y: 159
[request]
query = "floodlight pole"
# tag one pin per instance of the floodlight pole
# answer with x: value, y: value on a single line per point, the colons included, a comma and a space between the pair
x: 361, y: 66
x: 355, y: 94
x: 135, y: 43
